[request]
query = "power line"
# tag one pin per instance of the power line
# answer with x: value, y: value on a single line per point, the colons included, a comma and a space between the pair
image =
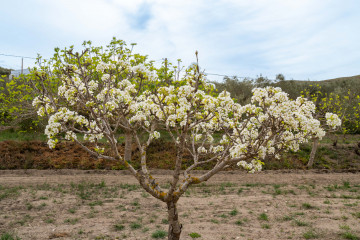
x: 9, y: 55
x: 158, y: 60
x: 216, y: 74
x: 222, y: 75
x: 234, y: 76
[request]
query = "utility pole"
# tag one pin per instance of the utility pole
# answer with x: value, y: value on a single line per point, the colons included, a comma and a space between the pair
x: 22, y: 65
x: 166, y: 77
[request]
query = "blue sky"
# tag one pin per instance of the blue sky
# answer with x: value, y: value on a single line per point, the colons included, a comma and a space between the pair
x: 302, y: 39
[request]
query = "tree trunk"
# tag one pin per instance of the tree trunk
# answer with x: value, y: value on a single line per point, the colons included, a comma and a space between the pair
x: 174, y: 225
x: 128, y: 146
x: 313, y: 152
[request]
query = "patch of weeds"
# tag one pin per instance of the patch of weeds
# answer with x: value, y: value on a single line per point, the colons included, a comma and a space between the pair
x: 333, y: 195
x: 194, y: 235
x: 102, y: 237
x: 350, y: 204
x: 159, y: 234
x: 301, y: 223
x: 287, y: 218
x: 223, y: 216
x: 344, y: 227
x: 301, y: 187
x: 207, y: 191
x: 41, y: 206
x: 265, y: 226
x: 102, y: 184
x: 25, y: 218
x: 185, y: 215
x: 153, y: 218
x: 72, y: 210
x: 356, y: 215
x: 145, y: 194
x: 9, y: 236
x: 228, y: 184
x: 327, y: 201
x: 277, y: 191
x: 165, y: 221
x: 327, y: 211
x: 291, y: 191
x: 239, y: 222
x: 234, y: 212
x: 254, y: 185
x: 307, y: 206
x: 346, y: 196
x: 135, y: 225
x: 29, y: 206
x: 263, y: 217
x: 311, y: 234
x: 6, y: 192
x: 346, y: 184
x: 349, y: 235
x: 332, y: 188
x: 49, y: 220
x: 312, y: 194
x: 129, y: 187
x: 214, y: 221
x: 119, y: 227
x: 96, y: 203
x: 146, y: 229
x: 71, y: 221
x: 121, y: 207
x: 135, y: 203
x: 165, y: 186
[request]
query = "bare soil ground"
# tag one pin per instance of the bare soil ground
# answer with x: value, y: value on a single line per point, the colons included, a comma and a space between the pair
x: 79, y: 204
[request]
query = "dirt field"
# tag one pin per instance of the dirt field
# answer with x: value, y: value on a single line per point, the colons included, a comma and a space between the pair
x: 75, y: 204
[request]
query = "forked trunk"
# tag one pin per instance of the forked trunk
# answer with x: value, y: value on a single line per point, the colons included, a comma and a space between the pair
x: 313, y: 152
x: 174, y: 225
x: 128, y: 144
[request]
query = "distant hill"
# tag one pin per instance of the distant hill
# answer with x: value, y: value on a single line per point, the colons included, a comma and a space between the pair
x: 352, y: 78
x: 241, y: 89
x: 338, y: 85
x: 355, y: 78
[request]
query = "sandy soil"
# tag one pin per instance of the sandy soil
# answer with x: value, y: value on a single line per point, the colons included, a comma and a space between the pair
x: 75, y: 204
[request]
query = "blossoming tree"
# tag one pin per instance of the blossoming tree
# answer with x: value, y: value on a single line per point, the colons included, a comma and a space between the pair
x: 104, y: 92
